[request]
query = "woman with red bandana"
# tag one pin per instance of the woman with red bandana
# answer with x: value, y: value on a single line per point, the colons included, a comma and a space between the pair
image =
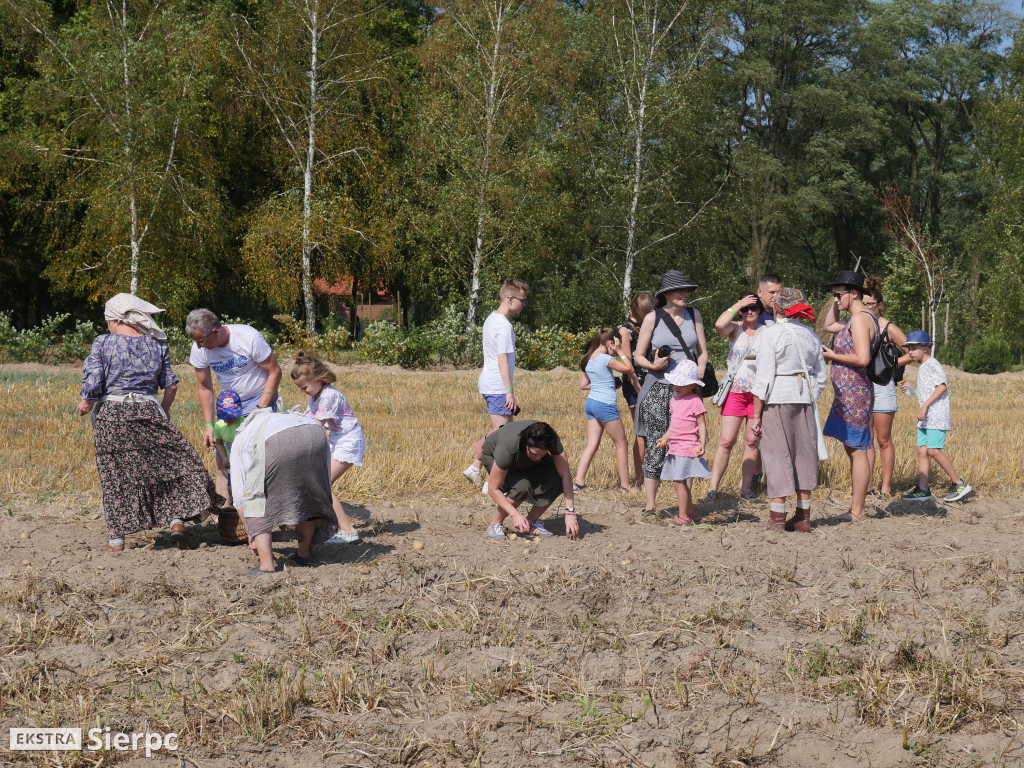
x: 790, y: 378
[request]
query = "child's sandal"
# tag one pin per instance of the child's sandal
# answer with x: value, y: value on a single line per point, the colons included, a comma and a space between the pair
x: 681, y: 520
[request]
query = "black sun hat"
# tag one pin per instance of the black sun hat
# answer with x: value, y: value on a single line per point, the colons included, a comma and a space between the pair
x: 850, y: 278
x: 674, y: 280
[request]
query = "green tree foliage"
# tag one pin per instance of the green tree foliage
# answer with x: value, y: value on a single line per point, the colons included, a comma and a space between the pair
x: 230, y: 153
x: 1002, y: 241
x: 479, y: 161
x: 117, y: 118
x: 306, y: 63
x: 807, y: 126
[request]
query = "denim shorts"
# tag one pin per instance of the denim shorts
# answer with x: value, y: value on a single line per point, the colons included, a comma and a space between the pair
x: 496, y: 405
x: 931, y: 438
x: 603, y: 412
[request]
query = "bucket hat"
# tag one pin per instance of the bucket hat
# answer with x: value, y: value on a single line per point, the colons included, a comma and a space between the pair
x: 919, y: 337
x: 674, y: 280
x: 683, y: 373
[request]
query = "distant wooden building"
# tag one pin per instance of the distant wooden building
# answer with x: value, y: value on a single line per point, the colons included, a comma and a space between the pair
x: 370, y: 302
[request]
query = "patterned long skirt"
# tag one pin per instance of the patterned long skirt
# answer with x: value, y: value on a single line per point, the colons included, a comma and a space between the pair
x: 656, y: 418
x: 149, y: 472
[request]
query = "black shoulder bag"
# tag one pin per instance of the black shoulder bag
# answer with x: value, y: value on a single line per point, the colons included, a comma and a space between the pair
x: 710, y: 377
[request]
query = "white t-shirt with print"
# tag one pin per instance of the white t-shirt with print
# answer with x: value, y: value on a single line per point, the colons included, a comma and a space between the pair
x: 929, y: 376
x: 499, y: 339
x: 236, y: 364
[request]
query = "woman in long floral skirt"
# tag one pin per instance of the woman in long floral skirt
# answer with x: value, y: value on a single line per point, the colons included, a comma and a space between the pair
x: 150, y: 474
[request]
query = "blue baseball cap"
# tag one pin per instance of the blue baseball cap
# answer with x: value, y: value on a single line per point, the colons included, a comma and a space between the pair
x: 919, y: 337
x: 229, y: 405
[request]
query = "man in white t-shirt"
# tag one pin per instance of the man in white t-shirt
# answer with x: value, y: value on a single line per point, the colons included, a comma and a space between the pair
x: 243, y: 362
x: 496, y: 378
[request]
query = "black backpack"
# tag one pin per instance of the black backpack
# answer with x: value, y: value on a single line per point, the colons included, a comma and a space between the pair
x: 883, y: 364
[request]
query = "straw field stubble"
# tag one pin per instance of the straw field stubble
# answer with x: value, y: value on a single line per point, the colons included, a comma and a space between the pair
x: 897, y: 641
x: 420, y: 426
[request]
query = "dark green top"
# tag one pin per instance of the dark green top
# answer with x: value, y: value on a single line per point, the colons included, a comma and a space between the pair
x: 502, y: 448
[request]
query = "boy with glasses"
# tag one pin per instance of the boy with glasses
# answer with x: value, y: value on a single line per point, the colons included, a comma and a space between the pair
x: 496, y: 379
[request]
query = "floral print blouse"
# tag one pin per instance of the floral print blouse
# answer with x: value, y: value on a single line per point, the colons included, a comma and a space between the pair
x: 120, y: 365
x: 331, y: 408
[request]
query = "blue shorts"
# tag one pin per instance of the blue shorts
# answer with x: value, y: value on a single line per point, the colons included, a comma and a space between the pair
x: 931, y: 438
x: 603, y: 412
x: 496, y: 405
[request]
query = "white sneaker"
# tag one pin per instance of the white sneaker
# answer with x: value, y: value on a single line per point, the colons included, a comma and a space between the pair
x: 472, y: 473
x: 343, y: 538
x: 485, y: 489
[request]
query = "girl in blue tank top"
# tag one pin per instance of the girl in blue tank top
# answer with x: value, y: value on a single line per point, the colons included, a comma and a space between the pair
x: 601, y: 361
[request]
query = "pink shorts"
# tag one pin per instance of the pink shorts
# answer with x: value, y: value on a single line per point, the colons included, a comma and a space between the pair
x: 739, y: 404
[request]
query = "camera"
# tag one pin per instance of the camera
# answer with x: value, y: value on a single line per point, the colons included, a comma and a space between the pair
x: 516, y: 410
x: 664, y: 351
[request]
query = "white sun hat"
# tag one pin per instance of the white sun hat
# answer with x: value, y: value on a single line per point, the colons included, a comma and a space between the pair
x: 683, y: 373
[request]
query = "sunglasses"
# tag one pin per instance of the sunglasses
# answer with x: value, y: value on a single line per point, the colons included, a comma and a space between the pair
x: 839, y: 294
x: 750, y: 309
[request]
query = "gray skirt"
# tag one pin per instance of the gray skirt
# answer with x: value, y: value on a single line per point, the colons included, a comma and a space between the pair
x: 298, y: 483
x: 684, y: 468
x: 540, y: 484
x: 789, y: 449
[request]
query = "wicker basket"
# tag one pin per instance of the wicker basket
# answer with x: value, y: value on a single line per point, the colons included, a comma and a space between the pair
x: 231, y: 528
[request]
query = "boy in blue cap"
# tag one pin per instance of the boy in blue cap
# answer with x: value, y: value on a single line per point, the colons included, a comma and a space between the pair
x: 933, y: 420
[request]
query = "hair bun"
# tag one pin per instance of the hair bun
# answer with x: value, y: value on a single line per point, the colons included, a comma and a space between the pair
x: 873, y: 283
x: 300, y: 353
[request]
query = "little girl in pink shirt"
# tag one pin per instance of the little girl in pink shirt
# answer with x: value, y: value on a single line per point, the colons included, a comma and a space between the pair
x: 686, y: 438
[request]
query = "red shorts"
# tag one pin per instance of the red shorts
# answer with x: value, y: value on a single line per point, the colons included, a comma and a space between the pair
x: 739, y: 404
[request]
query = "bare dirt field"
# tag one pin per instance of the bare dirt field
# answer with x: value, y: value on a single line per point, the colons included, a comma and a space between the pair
x: 899, y: 641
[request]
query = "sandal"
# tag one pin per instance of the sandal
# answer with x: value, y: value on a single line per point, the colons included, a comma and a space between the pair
x: 624, y: 489
x: 109, y: 548
x: 577, y: 488
x: 681, y: 520
x: 650, y: 513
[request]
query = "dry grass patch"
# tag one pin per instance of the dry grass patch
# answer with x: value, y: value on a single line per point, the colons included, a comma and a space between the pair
x: 420, y: 426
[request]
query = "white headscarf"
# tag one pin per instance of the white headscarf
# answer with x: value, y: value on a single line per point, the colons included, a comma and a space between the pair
x: 131, y: 310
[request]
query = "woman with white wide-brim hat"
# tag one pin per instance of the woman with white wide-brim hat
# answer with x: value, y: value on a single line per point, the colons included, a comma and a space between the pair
x: 659, y: 347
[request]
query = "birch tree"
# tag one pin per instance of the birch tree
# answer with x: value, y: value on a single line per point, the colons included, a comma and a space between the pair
x: 658, y: 52
x: 489, y: 67
x: 115, y: 112
x: 911, y: 238
x: 304, y: 62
